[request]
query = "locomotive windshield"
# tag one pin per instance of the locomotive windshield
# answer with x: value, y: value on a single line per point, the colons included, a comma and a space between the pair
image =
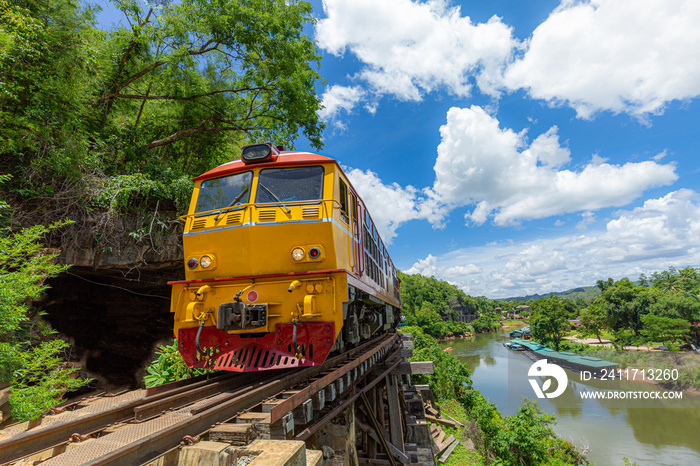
x: 290, y: 184
x: 227, y: 191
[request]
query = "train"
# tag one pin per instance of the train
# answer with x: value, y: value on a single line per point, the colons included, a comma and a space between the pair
x: 283, y: 265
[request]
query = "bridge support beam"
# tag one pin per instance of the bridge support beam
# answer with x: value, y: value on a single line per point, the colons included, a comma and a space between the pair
x: 339, y: 434
x: 395, y: 414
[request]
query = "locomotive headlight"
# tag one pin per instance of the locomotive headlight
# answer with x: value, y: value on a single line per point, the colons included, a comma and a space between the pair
x: 192, y: 263
x: 205, y: 262
x: 297, y: 254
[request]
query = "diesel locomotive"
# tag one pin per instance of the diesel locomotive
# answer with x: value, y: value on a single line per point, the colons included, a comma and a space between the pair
x: 283, y: 265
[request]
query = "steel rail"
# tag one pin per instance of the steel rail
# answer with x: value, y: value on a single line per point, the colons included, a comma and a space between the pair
x: 44, y: 438
x: 150, y: 447
x: 186, y: 397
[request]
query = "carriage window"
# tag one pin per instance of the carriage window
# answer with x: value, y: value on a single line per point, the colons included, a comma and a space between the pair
x: 344, y: 202
x: 290, y: 184
x: 353, y: 206
x: 224, y: 192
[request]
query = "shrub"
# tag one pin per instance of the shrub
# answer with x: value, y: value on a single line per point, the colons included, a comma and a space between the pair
x: 31, y: 358
x: 170, y: 367
x: 451, y: 378
x: 525, y: 438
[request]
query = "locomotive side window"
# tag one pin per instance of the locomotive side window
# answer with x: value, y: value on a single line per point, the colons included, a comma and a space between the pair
x: 353, y: 206
x: 290, y: 184
x: 224, y: 192
x: 344, y: 202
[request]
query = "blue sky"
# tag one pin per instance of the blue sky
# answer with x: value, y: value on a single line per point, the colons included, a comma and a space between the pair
x: 514, y: 147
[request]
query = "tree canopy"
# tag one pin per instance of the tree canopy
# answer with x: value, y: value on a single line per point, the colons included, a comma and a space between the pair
x: 148, y: 105
x: 548, y: 322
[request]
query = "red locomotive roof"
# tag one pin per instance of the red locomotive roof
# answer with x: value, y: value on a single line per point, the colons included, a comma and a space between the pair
x: 284, y: 158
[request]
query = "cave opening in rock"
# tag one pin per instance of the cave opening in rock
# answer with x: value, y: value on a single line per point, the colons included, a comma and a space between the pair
x: 113, y: 318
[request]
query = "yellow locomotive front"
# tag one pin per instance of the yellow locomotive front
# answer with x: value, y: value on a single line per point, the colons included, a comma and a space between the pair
x: 270, y: 246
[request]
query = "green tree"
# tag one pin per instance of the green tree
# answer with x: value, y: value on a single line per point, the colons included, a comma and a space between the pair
x: 594, y: 320
x: 625, y: 303
x: 430, y: 321
x: 138, y: 110
x: 548, y: 322
x: 664, y: 329
x: 451, y: 379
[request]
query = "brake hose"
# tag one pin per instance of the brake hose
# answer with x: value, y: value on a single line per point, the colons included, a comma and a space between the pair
x: 294, y: 341
x: 196, y: 341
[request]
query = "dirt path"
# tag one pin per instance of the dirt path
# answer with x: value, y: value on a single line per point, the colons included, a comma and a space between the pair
x: 607, y: 344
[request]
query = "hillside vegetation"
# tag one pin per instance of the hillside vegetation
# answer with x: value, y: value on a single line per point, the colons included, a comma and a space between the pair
x: 581, y: 292
x: 433, y: 305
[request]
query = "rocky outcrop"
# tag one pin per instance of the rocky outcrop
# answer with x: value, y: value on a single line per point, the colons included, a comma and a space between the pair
x: 113, y: 303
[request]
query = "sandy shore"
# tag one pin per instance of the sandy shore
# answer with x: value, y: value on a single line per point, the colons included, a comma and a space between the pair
x: 607, y: 344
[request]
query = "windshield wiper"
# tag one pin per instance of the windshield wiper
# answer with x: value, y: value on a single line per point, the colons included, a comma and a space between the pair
x: 230, y: 204
x: 273, y: 195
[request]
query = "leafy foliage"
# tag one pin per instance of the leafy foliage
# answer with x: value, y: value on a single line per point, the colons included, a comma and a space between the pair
x: 425, y: 301
x: 594, y: 321
x: 124, y: 118
x: 31, y: 360
x: 417, y: 289
x: 451, y: 379
x: 663, y: 308
x: 525, y: 438
x: 548, y: 322
x: 485, y: 323
x: 170, y: 367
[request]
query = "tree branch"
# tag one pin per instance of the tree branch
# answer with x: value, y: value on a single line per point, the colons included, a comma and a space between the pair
x: 200, y: 128
x: 191, y: 97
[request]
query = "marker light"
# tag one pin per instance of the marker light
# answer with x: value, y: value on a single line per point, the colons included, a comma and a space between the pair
x: 297, y: 254
x: 192, y: 263
x: 314, y: 253
x: 205, y: 262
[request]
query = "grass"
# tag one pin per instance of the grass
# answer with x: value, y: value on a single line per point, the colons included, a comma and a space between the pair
x: 605, y: 335
x: 460, y: 456
x: 513, y: 323
x: 687, y: 364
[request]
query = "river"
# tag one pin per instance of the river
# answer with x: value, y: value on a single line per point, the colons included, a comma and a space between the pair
x: 668, y: 434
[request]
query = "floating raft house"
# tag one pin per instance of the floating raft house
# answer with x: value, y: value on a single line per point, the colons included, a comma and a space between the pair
x: 572, y: 361
x: 521, y: 333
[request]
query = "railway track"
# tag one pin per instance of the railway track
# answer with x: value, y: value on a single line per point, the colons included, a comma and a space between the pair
x: 138, y: 426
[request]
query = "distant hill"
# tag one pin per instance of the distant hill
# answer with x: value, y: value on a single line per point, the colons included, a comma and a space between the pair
x: 584, y: 292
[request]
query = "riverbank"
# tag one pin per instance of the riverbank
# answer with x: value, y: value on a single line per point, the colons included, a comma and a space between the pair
x: 456, y: 337
x: 609, y: 429
x: 525, y: 437
x: 605, y: 343
x: 508, y: 324
x: 639, y: 360
x: 650, y: 366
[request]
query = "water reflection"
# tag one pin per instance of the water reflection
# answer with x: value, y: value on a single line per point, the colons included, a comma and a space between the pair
x: 668, y: 434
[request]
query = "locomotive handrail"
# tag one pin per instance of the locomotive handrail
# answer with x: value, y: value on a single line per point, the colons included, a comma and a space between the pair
x: 260, y: 204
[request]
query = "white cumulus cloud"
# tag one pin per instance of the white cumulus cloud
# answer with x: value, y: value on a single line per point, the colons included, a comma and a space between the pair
x: 336, y: 99
x: 409, y: 48
x: 429, y: 267
x: 620, y: 55
x: 663, y: 232
x: 493, y: 168
x: 631, y: 56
